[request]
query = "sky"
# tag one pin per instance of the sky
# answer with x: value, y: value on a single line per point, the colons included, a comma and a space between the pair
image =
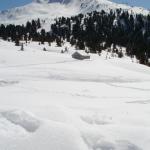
x: 140, y: 3
x: 6, y: 4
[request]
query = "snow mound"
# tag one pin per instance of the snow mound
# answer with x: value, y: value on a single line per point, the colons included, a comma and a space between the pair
x: 23, y: 119
x: 120, y: 145
x: 20, y: 130
x: 100, y: 143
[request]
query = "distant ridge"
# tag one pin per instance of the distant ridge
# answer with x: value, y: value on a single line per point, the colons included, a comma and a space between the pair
x: 49, y: 9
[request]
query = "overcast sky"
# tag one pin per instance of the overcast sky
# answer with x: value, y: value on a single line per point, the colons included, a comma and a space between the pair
x: 5, y: 4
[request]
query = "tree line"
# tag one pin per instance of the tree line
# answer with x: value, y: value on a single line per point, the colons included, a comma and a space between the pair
x: 100, y: 30
x: 94, y: 31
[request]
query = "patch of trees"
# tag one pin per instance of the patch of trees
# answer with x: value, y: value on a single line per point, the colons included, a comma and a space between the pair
x: 100, y: 30
x: 27, y: 32
x: 94, y: 32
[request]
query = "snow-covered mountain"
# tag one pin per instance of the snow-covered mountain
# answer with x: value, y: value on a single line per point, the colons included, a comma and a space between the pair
x: 50, y: 9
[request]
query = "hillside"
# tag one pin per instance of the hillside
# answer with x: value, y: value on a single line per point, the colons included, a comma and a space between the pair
x: 80, y: 105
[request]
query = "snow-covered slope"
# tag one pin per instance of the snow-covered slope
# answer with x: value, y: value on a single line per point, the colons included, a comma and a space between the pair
x: 48, y: 12
x: 94, y: 104
x: 49, y: 9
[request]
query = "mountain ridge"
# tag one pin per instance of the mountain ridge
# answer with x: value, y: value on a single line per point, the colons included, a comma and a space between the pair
x: 48, y: 10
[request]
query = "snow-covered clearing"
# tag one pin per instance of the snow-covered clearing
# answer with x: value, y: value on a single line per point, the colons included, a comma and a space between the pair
x: 50, y: 101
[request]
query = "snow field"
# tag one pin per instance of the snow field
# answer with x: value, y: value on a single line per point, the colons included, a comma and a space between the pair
x: 50, y: 101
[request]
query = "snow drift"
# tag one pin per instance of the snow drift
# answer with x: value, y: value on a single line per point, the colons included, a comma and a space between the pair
x: 21, y: 130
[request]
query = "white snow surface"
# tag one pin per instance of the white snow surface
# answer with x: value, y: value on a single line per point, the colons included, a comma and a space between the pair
x: 48, y: 10
x: 50, y: 101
